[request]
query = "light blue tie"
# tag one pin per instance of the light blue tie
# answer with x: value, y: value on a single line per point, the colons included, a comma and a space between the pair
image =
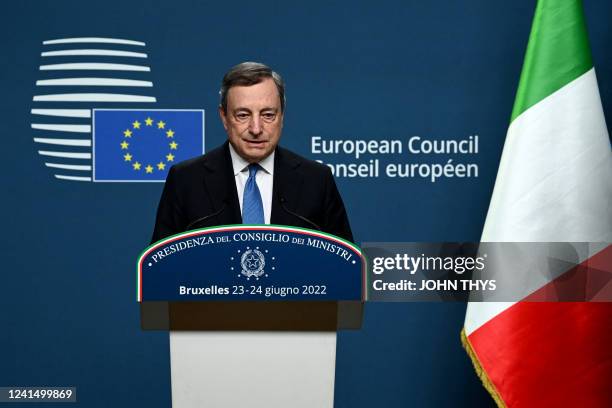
x: 252, y: 206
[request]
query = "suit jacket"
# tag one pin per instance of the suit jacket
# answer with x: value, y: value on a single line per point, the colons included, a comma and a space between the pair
x: 202, y: 192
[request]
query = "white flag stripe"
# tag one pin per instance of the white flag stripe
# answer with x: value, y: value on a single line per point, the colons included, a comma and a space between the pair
x: 68, y: 113
x: 112, y: 53
x: 64, y: 142
x: 74, y: 178
x: 68, y: 155
x: 556, y: 157
x: 92, y: 97
x: 100, y: 66
x: 69, y: 166
x: 93, y: 82
x: 478, y: 313
x: 62, y: 127
x: 100, y: 40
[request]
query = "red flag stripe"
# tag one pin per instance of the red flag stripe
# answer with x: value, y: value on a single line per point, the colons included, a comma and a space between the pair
x: 549, y: 354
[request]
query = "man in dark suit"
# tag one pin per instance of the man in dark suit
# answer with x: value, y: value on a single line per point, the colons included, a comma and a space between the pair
x: 250, y: 179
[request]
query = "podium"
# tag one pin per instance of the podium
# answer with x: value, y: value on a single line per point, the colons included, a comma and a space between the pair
x: 253, y: 312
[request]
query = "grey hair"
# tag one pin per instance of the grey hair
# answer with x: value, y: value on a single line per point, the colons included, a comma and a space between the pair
x: 247, y: 74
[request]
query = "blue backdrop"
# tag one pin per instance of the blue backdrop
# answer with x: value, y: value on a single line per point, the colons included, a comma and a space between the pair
x: 354, y: 70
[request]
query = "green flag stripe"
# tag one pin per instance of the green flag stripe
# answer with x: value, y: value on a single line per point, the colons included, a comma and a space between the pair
x: 558, y: 52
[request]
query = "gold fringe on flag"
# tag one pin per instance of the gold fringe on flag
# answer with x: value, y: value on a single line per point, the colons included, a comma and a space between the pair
x: 482, y: 374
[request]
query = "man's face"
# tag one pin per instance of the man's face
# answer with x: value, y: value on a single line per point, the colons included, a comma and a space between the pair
x: 254, y: 120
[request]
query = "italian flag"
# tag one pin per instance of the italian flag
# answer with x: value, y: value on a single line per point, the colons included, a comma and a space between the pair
x: 554, y: 184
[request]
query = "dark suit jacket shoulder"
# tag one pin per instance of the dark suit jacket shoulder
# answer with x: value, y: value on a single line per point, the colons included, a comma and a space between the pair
x: 202, y: 192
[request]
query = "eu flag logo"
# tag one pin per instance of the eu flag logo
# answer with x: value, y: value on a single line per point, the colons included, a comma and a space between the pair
x: 142, y: 145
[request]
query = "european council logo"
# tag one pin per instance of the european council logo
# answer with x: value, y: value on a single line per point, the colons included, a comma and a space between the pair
x: 79, y: 75
x: 141, y: 145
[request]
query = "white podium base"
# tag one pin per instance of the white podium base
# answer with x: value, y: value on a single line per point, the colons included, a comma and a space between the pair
x: 252, y: 369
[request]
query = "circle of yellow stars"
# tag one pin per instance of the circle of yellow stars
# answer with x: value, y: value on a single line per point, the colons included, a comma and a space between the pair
x: 125, y: 145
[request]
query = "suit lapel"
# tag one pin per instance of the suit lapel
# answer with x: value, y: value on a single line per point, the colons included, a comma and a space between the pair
x: 287, y: 185
x: 221, y: 187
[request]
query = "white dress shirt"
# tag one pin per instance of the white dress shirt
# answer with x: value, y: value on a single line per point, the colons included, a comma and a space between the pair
x: 264, y: 179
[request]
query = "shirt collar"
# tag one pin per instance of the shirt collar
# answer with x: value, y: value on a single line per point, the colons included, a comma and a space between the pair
x: 239, y: 164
